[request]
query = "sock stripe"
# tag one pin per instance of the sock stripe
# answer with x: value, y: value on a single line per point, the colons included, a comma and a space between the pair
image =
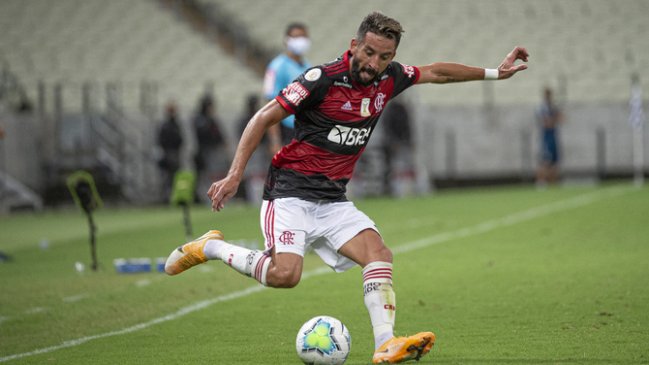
x: 379, y: 273
x: 389, y: 277
x: 259, y: 269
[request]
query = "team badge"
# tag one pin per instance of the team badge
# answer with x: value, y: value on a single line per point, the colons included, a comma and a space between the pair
x: 313, y: 74
x: 287, y: 238
x: 379, y: 101
x: 365, y: 107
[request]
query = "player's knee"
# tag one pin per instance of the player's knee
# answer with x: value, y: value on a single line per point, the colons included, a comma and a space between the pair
x: 384, y: 254
x: 283, y: 278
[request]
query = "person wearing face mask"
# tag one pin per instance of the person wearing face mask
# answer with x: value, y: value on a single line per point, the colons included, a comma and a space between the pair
x: 281, y: 71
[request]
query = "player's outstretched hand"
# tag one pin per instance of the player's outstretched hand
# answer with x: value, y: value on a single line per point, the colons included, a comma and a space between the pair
x: 221, y: 191
x: 507, y: 68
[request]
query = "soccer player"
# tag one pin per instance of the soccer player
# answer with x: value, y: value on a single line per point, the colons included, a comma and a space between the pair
x: 336, y: 107
x: 281, y: 71
x: 550, y: 117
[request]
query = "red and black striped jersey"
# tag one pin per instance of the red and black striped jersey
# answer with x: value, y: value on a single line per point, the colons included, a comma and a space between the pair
x: 334, y: 119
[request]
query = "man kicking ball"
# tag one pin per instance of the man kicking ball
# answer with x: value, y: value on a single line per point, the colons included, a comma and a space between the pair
x: 336, y: 107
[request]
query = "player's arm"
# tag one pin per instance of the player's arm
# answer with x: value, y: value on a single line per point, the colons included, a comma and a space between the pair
x: 445, y: 72
x: 270, y: 114
x: 274, y: 138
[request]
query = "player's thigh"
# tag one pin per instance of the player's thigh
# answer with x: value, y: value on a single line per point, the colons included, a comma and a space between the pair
x: 366, y: 247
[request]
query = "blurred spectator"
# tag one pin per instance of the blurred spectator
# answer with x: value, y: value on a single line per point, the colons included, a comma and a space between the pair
x: 170, y: 141
x: 398, y: 176
x: 549, y: 117
x: 281, y: 71
x: 212, y: 154
x: 255, y: 174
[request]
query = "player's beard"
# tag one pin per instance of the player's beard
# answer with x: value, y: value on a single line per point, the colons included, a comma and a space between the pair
x: 356, y: 73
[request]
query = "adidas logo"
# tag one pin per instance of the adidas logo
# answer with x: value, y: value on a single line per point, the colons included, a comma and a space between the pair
x: 346, y: 106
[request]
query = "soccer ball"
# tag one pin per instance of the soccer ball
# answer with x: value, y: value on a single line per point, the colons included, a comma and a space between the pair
x: 323, y: 340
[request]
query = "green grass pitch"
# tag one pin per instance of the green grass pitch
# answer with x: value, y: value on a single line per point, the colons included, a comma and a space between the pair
x: 502, y: 276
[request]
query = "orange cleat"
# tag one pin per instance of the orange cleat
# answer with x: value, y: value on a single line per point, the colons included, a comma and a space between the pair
x: 400, y: 349
x: 190, y: 254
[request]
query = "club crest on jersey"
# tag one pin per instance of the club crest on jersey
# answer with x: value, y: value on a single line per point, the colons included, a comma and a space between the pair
x: 365, y: 107
x: 295, y: 93
x: 379, y: 101
x: 349, y: 136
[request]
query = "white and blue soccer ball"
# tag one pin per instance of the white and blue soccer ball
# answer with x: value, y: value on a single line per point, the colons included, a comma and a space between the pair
x: 323, y: 340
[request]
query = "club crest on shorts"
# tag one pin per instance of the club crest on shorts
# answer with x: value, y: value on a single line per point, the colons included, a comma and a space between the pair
x: 287, y: 238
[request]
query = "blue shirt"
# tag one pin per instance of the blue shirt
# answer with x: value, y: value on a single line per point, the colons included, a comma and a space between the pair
x: 281, y: 71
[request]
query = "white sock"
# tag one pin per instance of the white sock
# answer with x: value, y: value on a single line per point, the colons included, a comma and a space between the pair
x: 380, y: 300
x: 248, y: 262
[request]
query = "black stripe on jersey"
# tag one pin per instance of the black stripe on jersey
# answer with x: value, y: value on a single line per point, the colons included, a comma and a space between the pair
x: 335, y: 67
x: 285, y: 183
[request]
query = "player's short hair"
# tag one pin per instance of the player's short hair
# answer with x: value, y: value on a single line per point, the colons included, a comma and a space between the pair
x: 295, y: 25
x: 380, y: 24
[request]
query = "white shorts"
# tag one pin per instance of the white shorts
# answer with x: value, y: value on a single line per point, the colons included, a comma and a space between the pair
x: 294, y: 225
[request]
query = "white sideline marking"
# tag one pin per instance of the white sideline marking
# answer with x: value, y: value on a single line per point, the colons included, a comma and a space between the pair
x: 75, y: 298
x: 509, y: 220
x: 142, y: 283
x: 35, y: 310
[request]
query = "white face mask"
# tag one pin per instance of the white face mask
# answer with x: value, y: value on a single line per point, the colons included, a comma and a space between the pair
x: 298, y: 45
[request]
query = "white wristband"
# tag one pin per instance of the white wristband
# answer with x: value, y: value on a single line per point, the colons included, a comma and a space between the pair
x: 491, y: 74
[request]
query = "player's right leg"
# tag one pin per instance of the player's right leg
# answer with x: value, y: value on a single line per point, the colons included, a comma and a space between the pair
x: 190, y: 254
x: 281, y: 271
x: 211, y: 246
x: 275, y: 267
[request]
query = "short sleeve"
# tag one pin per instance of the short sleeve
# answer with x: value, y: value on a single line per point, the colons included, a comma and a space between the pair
x: 306, y: 90
x: 404, y: 76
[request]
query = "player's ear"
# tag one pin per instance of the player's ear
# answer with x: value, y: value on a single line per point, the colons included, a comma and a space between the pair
x: 353, y: 44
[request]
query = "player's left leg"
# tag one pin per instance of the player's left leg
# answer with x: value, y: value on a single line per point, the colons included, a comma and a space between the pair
x: 368, y: 250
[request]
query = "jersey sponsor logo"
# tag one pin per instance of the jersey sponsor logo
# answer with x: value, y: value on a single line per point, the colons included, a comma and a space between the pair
x: 365, y: 107
x: 346, y: 106
x: 409, y: 70
x: 295, y: 93
x: 287, y: 238
x: 379, y: 101
x: 349, y: 136
x: 313, y: 74
x: 343, y: 84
